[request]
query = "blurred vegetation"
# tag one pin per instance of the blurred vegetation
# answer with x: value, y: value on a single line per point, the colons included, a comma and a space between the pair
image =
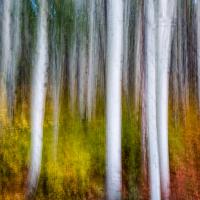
x: 78, y: 172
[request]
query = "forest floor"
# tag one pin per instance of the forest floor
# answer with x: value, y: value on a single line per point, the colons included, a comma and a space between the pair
x: 78, y: 171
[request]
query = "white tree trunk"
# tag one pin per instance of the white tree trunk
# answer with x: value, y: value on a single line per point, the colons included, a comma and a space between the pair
x: 80, y: 25
x: 113, y: 98
x: 6, y: 54
x: 154, y: 172
x: 38, y: 97
x: 165, y: 15
x: 92, y: 61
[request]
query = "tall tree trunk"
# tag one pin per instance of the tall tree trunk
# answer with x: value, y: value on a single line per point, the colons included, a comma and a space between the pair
x: 198, y: 50
x: 154, y: 172
x: 73, y: 72
x: 137, y: 56
x: 92, y: 60
x: 38, y: 97
x: 5, y: 56
x: 15, y: 54
x: 82, y: 70
x: 165, y: 14
x: 125, y: 69
x: 82, y: 55
x: 113, y: 98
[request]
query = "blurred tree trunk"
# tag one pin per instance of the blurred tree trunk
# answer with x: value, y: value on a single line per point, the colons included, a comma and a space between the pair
x: 38, y: 97
x: 198, y: 50
x: 5, y: 56
x: 113, y: 98
x: 165, y: 14
x: 153, y: 162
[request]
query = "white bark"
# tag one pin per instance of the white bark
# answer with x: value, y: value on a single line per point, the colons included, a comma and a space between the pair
x: 38, y: 97
x: 6, y: 53
x: 6, y: 38
x: 92, y: 61
x: 80, y: 25
x: 113, y: 98
x: 154, y: 172
x: 165, y: 14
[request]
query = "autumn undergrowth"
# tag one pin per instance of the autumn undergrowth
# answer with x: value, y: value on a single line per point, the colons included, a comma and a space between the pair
x: 78, y: 169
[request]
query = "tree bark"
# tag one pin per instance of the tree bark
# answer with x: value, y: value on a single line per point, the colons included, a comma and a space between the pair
x: 38, y: 97
x: 113, y: 98
x: 153, y: 161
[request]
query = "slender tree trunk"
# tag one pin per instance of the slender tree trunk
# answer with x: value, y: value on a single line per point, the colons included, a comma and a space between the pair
x: 198, y: 50
x: 153, y: 163
x: 137, y: 56
x: 174, y: 75
x: 15, y: 34
x: 143, y: 102
x: 113, y: 98
x: 73, y: 73
x: 91, y: 93
x: 38, y: 97
x: 82, y: 70
x: 165, y: 15
x: 186, y: 56
x: 73, y: 59
x: 82, y: 55
x: 125, y: 69
x: 5, y: 56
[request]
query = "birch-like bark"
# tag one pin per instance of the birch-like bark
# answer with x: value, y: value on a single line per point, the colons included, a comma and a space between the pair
x: 165, y: 14
x: 113, y: 98
x: 82, y: 55
x: 5, y: 55
x: 38, y: 97
x: 152, y: 138
x: 92, y: 61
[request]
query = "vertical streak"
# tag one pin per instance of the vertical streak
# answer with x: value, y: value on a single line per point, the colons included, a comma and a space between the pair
x: 113, y: 97
x: 198, y: 49
x: 165, y: 15
x: 150, y: 37
x: 38, y: 97
x: 6, y: 54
